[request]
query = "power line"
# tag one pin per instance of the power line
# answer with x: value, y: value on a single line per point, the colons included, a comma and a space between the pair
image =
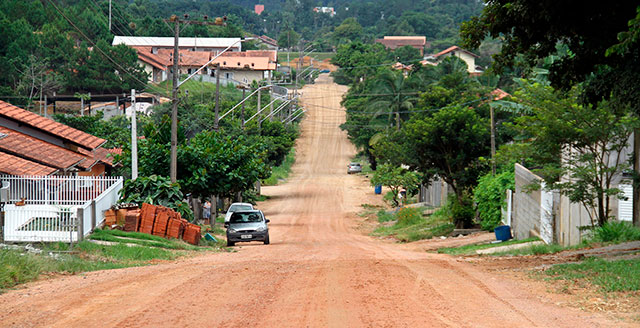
x: 93, y: 43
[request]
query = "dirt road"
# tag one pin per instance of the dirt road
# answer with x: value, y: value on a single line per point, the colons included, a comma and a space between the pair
x: 318, y: 271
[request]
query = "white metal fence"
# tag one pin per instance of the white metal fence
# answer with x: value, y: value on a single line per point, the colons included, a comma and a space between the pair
x: 56, y: 190
x: 68, y: 217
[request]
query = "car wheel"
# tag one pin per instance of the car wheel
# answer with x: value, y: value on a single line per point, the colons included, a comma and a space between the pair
x: 266, y: 240
x: 230, y: 243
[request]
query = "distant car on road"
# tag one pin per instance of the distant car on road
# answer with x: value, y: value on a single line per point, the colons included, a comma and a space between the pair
x: 354, y: 168
x: 247, y: 226
x: 235, y: 207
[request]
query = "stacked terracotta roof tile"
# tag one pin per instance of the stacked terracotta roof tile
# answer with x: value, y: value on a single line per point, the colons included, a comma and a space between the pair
x: 162, y: 221
x: 34, y: 145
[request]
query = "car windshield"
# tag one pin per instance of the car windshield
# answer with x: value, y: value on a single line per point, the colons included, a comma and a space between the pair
x: 240, y: 217
x: 238, y: 208
x: 355, y: 164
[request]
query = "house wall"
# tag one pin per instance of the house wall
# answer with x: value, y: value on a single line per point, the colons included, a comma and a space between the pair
x: 244, y: 76
x: 435, y: 194
x: 526, y: 204
x: 470, y: 60
x: 147, y: 69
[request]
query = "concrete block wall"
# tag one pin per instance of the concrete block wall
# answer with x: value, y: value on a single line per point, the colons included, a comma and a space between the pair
x: 526, y: 204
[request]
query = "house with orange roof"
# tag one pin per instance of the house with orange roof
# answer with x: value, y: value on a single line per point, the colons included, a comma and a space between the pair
x: 31, y: 144
x: 394, y: 42
x: 236, y: 67
x: 467, y: 56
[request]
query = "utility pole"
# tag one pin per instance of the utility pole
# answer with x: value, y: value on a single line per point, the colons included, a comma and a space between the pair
x: 270, y: 96
x: 259, y: 108
x: 134, y: 137
x: 242, y: 109
x: 109, y: 15
x: 173, y: 168
x: 493, y: 141
x: 217, y: 108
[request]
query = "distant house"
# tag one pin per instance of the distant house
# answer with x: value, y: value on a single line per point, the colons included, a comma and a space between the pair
x: 467, y: 56
x: 236, y: 67
x: 191, y: 44
x: 258, y: 9
x: 325, y: 10
x: 268, y: 42
x: 245, y: 67
x: 394, y: 42
x: 34, y: 145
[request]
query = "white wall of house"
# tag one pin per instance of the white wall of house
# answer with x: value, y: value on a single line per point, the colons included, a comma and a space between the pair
x: 467, y: 58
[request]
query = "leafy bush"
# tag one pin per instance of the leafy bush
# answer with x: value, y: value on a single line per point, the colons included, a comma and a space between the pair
x: 156, y: 190
x: 614, y: 231
x: 462, y: 210
x: 490, y: 196
x: 409, y: 216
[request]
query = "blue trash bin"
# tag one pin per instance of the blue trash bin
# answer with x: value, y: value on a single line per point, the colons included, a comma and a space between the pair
x: 503, y: 233
x: 378, y: 189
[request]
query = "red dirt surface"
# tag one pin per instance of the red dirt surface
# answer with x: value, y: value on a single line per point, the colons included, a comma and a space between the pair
x: 319, y: 270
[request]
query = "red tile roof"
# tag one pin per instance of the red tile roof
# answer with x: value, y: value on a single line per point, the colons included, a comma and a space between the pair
x: 454, y: 48
x: 499, y: 94
x: 36, y: 150
x: 50, y: 126
x: 13, y: 165
x: 145, y: 55
x: 393, y: 42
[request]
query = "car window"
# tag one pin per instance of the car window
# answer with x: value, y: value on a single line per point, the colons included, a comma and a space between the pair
x: 237, y: 208
x: 240, y: 217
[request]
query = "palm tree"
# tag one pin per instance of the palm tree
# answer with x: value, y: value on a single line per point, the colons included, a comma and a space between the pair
x: 393, y: 93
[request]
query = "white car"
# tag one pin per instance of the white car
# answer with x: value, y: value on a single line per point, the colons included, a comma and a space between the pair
x: 235, y: 207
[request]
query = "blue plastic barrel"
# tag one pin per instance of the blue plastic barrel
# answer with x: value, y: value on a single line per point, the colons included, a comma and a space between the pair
x: 378, y: 189
x: 503, y: 232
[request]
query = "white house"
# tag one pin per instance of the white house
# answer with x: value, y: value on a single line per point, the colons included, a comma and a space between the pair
x: 467, y: 56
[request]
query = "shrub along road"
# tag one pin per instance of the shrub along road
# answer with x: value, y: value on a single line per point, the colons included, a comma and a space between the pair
x: 319, y: 270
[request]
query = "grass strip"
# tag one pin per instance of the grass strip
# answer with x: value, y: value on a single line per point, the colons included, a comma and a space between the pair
x: 609, y: 276
x: 140, y: 239
x: 282, y: 171
x: 471, y: 249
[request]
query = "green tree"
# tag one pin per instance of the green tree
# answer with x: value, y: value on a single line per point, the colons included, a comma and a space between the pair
x: 395, y: 94
x: 288, y: 39
x: 349, y: 31
x: 449, y: 145
x: 395, y: 178
x: 582, y: 146
x: 407, y: 55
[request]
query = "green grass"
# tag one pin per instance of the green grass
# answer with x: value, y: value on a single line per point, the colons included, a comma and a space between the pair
x: 471, y: 249
x: 139, y: 238
x: 17, y: 267
x: 282, y: 55
x: 411, y: 226
x: 281, y: 172
x: 608, y: 276
x: 538, y: 250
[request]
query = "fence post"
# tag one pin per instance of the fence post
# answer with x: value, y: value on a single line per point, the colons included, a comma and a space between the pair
x: 80, y: 218
x: 93, y: 215
x: 2, y: 225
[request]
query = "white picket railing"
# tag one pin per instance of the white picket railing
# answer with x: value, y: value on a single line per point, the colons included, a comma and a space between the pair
x: 56, y: 190
x: 65, y: 219
x: 40, y: 223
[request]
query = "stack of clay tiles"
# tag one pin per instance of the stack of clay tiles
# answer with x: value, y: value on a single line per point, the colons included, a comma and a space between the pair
x: 165, y: 222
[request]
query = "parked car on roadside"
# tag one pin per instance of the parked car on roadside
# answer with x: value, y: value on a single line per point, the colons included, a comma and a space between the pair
x: 235, y: 207
x: 244, y: 226
x: 354, y: 168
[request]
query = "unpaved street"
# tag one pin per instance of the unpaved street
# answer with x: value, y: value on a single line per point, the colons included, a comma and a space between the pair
x: 318, y: 272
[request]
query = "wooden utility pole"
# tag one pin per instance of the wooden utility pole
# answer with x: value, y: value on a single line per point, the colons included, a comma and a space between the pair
x: 242, y: 109
x: 217, y: 108
x: 259, y: 108
x: 493, y: 141
x: 173, y: 168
